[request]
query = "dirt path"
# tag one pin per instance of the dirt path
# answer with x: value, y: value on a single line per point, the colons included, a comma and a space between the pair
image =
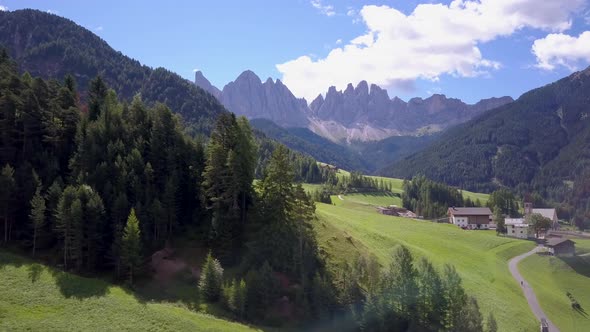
x: 527, y: 290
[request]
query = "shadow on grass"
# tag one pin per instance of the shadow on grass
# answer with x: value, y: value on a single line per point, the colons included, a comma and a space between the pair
x: 579, y: 264
x: 69, y: 285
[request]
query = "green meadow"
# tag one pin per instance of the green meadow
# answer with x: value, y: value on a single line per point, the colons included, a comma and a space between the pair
x: 350, y: 228
x: 34, y: 297
x: 553, y: 277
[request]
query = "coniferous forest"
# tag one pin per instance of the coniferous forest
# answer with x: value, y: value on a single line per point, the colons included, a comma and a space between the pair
x: 96, y: 186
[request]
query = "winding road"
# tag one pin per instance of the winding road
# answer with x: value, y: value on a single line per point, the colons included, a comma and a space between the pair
x: 527, y: 290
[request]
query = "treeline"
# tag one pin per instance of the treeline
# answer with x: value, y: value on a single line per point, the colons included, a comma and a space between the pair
x: 432, y: 199
x: 54, y: 47
x: 100, y: 186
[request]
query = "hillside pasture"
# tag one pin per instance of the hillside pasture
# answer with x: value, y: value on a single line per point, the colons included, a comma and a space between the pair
x: 348, y: 229
x: 34, y: 297
x: 553, y: 277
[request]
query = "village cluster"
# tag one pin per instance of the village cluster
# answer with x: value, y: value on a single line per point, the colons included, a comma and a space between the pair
x: 473, y: 218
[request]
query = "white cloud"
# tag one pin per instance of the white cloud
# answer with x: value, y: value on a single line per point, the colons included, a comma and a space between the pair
x: 3, y: 8
x: 99, y: 28
x: 338, y: 41
x: 327, y: 10
x: 558, y: 49
x: 51, y: 11
x: 433, y: 40
x: 195, y: 70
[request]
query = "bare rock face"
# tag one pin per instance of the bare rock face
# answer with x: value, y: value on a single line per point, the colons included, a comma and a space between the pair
x: 202, y: 82
x: 361, y: 113
x: 248, y: 96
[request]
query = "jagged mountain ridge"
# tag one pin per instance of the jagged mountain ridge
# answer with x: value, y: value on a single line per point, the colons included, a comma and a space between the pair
x: 361, y: 113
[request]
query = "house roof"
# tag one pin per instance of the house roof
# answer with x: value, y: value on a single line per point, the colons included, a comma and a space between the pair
x: 470, y: 211
x: 547, y: 213
x: 552, y: 242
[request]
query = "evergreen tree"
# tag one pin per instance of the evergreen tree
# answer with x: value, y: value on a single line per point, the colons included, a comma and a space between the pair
x: 131, y: 245
x: 37, y: 215
x: 498, y: 219
x: 7, y: 191
x: 471, y: 319
x: 401, y: 284
x: 455, y: 298
x: 211, y: 279
x: 431, y: 303
x: 97, y: 94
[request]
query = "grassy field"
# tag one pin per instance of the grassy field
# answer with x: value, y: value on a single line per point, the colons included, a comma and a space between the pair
x: 34, y: 297
x: 372, y: 198
x: 349, y: 228
x: 552, y: 277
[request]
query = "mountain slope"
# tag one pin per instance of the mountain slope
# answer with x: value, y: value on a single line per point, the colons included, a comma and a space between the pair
x: 50, y: 46
x: 321, y: 149
x: 248, y: 96
x: 540, y: 140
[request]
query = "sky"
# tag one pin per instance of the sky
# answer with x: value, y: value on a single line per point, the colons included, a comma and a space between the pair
x: 467, y: 49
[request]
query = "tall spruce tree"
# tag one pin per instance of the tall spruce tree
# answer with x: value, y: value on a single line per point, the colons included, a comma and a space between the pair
x: 37, y: 215
x: 131, y: 245
x: 7, y: 191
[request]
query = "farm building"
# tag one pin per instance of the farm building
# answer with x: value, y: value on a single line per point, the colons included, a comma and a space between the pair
x: 471, y: 217
x: 551, y: 214
x: 394, y: 210
x: 561, y: 247
x: 548, y: 213
x: 517, y: 227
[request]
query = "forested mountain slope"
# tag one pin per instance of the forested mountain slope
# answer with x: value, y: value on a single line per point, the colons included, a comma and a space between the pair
x: 303, y: 139
x: 50, y: 46
x: 539, y: 142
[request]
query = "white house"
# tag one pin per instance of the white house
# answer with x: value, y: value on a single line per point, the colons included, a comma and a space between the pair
x: 471, y: 217
x: 517, y: 227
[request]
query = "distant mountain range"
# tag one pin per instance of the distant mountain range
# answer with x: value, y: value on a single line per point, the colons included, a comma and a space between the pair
x: 364, y: 113
x: 540, y: 142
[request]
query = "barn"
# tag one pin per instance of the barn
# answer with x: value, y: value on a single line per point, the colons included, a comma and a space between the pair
x: 561, y: 247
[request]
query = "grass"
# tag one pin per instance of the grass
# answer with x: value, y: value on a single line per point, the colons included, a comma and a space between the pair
x: 373, y: 198
x: 552, y: 277
x: 34, y: 297
x: 349, y: 228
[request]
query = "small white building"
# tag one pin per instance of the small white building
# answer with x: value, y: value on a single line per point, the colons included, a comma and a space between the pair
x: 517, y: 227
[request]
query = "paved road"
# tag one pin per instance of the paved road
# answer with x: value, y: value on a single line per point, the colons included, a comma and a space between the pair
x: 528, y: 291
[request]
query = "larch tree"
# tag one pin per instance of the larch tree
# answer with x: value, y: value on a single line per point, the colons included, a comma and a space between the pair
x: 7, y: 191
x: 131, y: 245
x: 37, y: 215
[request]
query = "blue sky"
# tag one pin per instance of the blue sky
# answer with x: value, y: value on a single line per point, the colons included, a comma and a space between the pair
x: 488, y: 53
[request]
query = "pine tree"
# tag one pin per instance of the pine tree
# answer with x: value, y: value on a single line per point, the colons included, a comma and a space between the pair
x: 97, y: 93
x: 430, y: 301
x: 455, y: 298
x: 402, y: 283
x: 470, y: 319
x: 37, y: 215
x: 131, y: 245
x: 7, y: 191
x: 211, y: 279
x: 499, y: 220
